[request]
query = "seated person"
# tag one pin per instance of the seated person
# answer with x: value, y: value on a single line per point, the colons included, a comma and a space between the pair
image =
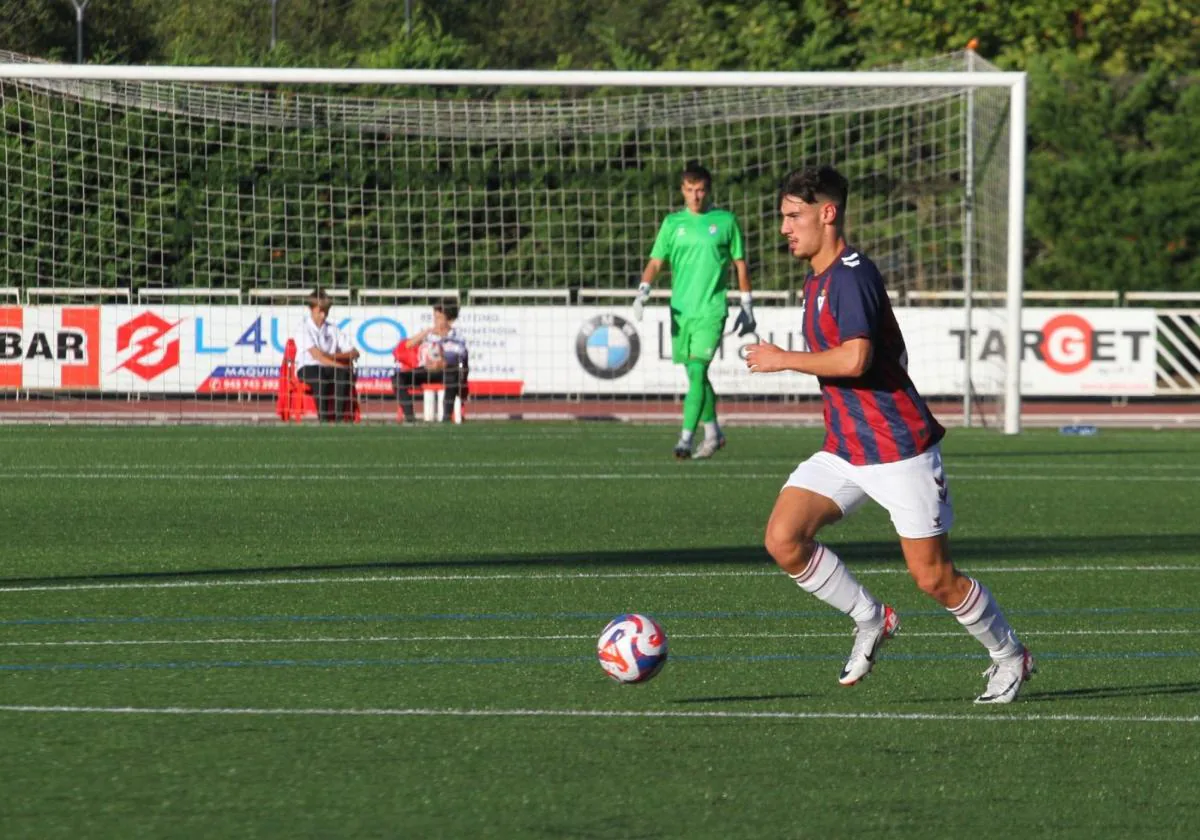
x: 441, y: 358
x: 325, y: 359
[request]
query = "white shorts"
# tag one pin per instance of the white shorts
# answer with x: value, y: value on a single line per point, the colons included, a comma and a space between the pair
x: 913, y: 491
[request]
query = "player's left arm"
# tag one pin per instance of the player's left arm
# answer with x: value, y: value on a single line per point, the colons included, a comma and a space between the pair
x: 745, y: 322
x: 346, y: 354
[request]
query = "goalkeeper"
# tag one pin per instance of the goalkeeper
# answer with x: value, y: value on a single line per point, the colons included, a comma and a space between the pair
x: 698, y: 242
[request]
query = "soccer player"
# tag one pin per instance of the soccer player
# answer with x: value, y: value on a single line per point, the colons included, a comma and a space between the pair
x: 698, y: 242
x: 441, y: 357
x: 881, y: 442
x: 325, y: 359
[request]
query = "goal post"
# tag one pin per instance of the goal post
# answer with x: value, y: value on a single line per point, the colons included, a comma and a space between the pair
x: 195, y: 191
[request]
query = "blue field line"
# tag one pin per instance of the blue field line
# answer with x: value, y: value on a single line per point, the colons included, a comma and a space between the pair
x: 557, y: 616
x: 186, y: 665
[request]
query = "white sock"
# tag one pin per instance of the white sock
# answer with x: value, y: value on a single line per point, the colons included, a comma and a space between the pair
x: 685, y: 437
x: 711, y: 430
x: 981, y: 615
x: 827, y: 577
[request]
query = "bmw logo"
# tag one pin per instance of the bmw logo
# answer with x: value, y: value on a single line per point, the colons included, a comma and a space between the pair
x: 607, y: 346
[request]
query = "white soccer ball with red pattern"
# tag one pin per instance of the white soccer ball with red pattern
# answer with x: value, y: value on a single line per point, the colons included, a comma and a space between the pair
x: 632, y: 648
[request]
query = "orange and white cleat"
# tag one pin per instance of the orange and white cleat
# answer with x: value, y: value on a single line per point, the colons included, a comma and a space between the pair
x: 867, y: 642
x: 1006, y: 676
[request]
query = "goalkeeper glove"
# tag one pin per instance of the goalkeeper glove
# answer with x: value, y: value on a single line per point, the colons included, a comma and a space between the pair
x: 643, y: 294
x: 745, y: 323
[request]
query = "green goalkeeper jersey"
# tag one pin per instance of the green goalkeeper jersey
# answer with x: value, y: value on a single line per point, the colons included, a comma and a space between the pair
x: 699, y: 249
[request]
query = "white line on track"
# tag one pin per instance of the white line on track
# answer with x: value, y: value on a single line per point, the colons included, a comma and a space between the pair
x: 596, y: 713
x: 533, y: 637
x: 557, y: 576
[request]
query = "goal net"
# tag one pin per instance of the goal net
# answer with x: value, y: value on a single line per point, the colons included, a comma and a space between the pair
x: 160, y: 236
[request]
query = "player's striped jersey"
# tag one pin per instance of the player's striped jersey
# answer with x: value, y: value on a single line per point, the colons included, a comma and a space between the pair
x: 877, y: 417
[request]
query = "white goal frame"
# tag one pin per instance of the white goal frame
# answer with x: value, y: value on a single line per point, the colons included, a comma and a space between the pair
x: 1015, y: 82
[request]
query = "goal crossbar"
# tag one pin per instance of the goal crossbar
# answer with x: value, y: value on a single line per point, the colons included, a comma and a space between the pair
x: 529, y: 78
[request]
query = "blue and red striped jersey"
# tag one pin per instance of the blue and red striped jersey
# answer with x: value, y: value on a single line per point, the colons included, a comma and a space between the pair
x: 878, y: 417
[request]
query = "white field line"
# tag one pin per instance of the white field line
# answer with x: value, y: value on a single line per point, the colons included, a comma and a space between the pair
x: 520, y: 463
x: 602, y: 714
x: 562, y: 576
x: 533, y: 637
x: 679, y: 475
x: 557, y: 576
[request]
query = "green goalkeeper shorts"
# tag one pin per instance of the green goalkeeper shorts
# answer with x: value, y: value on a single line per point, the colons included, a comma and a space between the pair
x: 695, y: 339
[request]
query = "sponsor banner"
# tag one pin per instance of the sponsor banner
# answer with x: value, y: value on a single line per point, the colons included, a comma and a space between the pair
x: 532, y: 350
x: 50, y: 347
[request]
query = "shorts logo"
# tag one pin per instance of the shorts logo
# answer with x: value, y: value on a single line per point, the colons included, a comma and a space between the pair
x: 607, y: 346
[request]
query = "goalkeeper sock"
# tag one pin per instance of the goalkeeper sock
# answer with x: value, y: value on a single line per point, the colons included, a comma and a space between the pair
x: 711, y: 430
x: 827, y: 577
x: 708, y: 410
x: 981, y: 615
x: 694, y: 401
x: 685, y: 437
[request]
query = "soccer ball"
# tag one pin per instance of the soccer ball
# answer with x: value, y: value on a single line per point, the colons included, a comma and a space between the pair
x: 632, y: 648
x: 430, y: 354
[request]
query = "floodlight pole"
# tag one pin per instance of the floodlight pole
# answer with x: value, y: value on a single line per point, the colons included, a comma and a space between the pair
x: 408, y: 18
x: 80, y: 6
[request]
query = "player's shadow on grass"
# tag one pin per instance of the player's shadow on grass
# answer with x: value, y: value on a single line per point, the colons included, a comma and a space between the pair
x: 966, y: 551
x: 1112, y: 692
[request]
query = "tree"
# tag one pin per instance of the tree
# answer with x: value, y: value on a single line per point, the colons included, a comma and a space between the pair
x: 1113, y: 179
x: 1118, y: 36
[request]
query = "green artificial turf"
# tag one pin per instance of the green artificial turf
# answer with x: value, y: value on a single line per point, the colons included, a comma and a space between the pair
x: 390, y: 632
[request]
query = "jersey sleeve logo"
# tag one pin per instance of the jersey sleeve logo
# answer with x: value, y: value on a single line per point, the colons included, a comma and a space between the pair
x: 851, y: 260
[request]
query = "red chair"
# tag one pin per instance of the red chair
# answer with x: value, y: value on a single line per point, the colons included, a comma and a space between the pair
x: 295, y: 400
x: 433, y: 394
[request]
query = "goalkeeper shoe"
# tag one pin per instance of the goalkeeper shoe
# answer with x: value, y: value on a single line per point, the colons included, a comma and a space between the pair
x: 867, y: 642
x: 1006, y: 676
x: 683, y: 451
x: 709, y: 447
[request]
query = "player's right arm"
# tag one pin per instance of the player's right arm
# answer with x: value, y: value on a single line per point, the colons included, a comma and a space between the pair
x: 848, y: 360
x: 653, y: 267
x: 855, y: 303
x: 660, y: 255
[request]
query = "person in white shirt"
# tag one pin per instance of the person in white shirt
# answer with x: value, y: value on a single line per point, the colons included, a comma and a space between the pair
x: 441, y: 358
x: 325, y: 359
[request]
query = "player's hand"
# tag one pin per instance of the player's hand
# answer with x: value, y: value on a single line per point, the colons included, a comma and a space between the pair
x: 745, y: 324
x: 643, y: 294
x: 765, y: 358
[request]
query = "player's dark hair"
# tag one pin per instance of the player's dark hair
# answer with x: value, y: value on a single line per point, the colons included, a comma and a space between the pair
x: 319, y: 297
x: 817, y: 183
x: 694, y: 173
x: 449, y: 308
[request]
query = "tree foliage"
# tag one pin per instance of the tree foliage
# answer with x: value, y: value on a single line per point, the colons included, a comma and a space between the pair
x: 1114, y: 161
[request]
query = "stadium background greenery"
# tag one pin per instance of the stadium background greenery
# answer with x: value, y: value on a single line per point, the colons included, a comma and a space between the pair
x: 1113, y: 174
